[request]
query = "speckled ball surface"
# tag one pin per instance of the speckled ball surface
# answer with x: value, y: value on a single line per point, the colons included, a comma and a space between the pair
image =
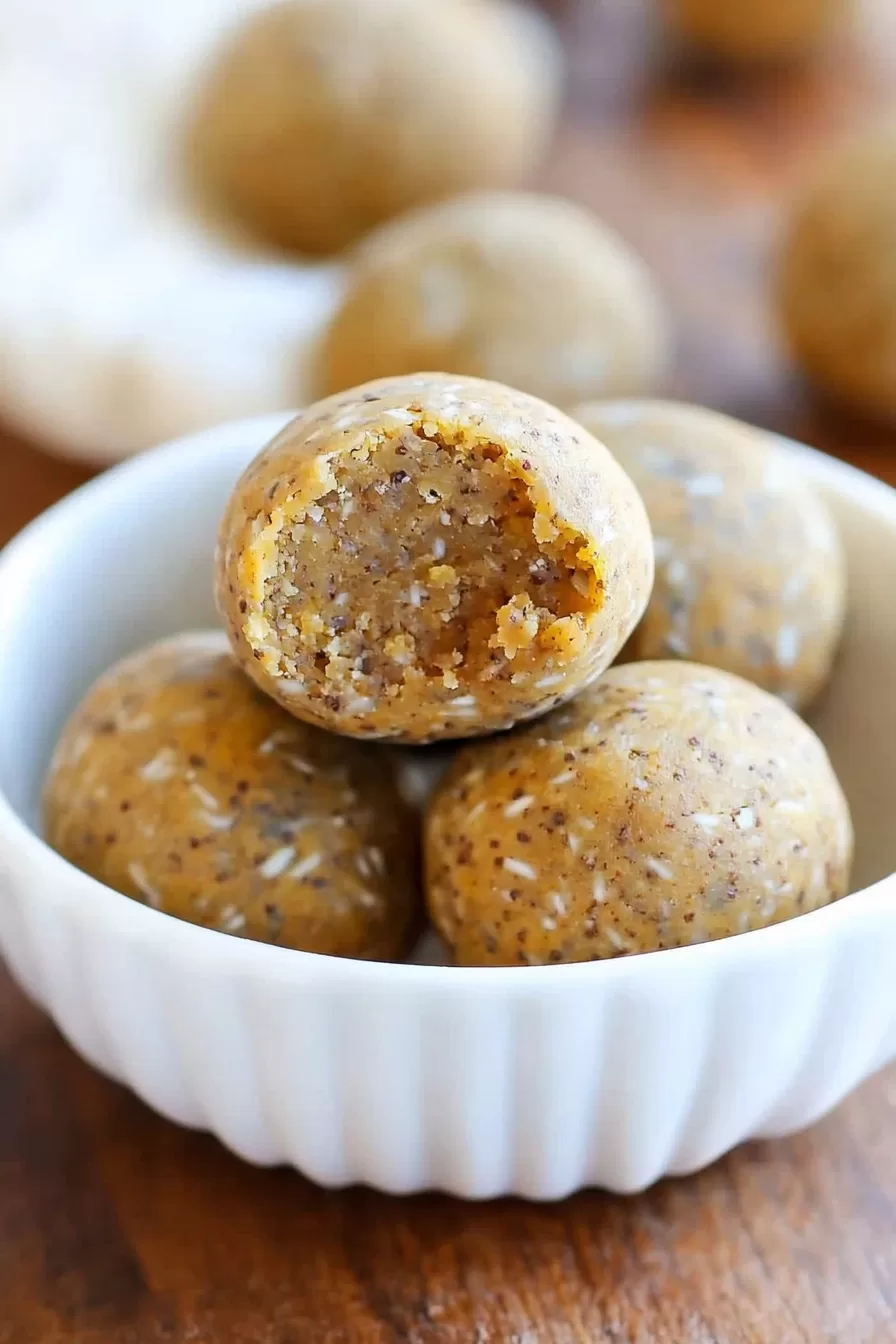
x: 524, y: 289
x: 431, y: 557
x: 836, y: 279
x: 178, y: 784
x: 750, y: 572
x: 747, y: 31
x: 670, y: 804
x: 321, y: 118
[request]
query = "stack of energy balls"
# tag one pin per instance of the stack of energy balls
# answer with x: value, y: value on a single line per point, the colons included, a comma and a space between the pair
x: 622, y: 605
x: 432, y: 557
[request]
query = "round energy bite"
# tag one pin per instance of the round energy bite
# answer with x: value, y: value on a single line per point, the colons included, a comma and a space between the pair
x: 748, y: 31
x: 321, y: 118
x: 524, y: 289
x: 670, y: 804
x: 837, y: 275
x: 176, y: 783
x: 431, y: 557
x: 750, y: 572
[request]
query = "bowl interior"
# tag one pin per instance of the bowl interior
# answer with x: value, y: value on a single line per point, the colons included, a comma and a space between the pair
x: 128, y: 559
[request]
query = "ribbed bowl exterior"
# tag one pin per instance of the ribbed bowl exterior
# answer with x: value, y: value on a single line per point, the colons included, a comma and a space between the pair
x: 533, y: 1083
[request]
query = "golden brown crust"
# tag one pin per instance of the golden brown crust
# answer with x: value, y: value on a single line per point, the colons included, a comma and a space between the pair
x: 750, y: 571
x: 837, y: 275
x: 668, y: 805
x: 177, y: 784
x: 322, y: 118
x: 495, y: 499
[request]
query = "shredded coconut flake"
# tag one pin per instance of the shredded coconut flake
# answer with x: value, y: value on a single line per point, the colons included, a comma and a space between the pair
x: 206, y: 799
x: 231, y: 920
x: 278, y: 862
x: 215, y: 821
x: 141, y: 881
x: 305, y: 866
x: 519, y: 805
x: 520, y: 869
x: 162, y: 766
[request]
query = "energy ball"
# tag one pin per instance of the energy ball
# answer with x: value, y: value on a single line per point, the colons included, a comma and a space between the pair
x: 837, y: 275
x: 178, y: 784
x: 321, y: 118
x: 750, y: 572
x: 524, y: 289
x: 431, y: 557
x: 670, y: 804
x: 748, y: 31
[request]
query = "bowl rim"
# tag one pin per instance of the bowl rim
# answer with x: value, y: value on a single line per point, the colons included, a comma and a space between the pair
x: 68, y: 886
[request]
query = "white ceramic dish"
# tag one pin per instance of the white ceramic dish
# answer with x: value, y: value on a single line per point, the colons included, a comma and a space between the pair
x: 534, y: 1081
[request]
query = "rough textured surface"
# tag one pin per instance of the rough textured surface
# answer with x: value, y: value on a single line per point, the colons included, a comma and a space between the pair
x: 121, y: 1229
x: 176, y: 783
x: 528, y: 290
x: 750, y: 574
x: 668, y: 805
x: 430, y: 557
x: 323, y: 117
x: 757, y: 30
x: 837, y: 280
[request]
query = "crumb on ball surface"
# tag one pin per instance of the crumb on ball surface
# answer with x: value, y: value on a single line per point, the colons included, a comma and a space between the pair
x: 525, y: 289
x: 750, y: 570
x: 431, y: 557
x: 668, y: 805
x: 178, y: 784
x: 321, y: 118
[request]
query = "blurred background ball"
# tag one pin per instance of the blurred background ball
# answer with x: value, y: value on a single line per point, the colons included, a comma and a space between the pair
x: 523, y: 289
x: 837, y: 277
x: 321, y: 118
x: 756, y: 30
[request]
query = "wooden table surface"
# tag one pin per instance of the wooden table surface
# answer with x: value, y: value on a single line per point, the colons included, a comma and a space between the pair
x: 117, y: 1228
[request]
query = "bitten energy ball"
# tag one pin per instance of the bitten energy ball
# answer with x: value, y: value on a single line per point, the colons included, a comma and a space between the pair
x: 527, y: 290
x: 750, y: 573
x: 178, y: 784
x: 322, y: 118
x: 757, y: 30
x: 669, y: 804
x: 837, y: 275
x: 431, y: 557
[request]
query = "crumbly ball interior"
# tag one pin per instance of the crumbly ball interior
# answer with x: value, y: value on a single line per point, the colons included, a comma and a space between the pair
x: 421, y: 567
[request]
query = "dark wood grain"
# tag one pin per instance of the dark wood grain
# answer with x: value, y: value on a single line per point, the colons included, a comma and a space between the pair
x: 117, y: 1228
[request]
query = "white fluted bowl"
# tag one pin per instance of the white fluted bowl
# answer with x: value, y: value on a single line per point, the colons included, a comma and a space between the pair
x: 533, y: 1081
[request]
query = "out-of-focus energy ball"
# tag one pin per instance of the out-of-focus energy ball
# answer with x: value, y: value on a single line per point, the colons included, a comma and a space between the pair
x: 750, y: 572
x: 322, y: 118
x: 746, y: 31
x: 837, y: 275
x: 522, y: 289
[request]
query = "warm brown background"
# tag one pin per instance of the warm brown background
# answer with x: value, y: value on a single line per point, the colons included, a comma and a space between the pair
x: 117, y: 1228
